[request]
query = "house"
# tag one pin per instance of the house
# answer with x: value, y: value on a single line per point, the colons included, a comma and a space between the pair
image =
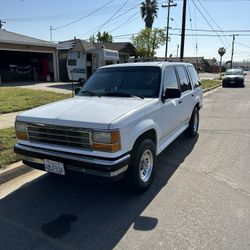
x: 26, y: 58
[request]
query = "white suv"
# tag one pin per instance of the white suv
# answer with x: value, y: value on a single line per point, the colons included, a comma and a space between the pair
x: 118, y: 122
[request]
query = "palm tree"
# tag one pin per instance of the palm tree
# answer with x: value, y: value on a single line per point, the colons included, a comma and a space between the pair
x: 221, y: 52
x: 149, y: 10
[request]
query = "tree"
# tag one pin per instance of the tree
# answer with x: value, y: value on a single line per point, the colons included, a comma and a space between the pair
x: 149, y: 9
x: 104, y: 37
x: 147, y: 41
x: 101, y: 37
x: 92, y: 39
x: 221, y: 52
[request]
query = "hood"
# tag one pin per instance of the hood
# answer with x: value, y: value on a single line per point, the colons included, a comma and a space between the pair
x: 84, y: 111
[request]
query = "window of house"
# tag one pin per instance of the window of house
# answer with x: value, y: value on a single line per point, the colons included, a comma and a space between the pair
x: 71, y: 62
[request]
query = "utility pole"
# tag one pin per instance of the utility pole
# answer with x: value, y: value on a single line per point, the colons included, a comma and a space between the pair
x: 50, y: 28
x: 232, y: 55
x: 1, y: 24
x: 183, y: 28
x: 169, y: 5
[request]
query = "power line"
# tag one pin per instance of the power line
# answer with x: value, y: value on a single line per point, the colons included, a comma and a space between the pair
x: 191, y: 25
x: 243, y: 45
x: 113, y: 15
x: 209, y: 35
x: 212, y: 30
x: 98, y: 27
x: 209, y: 23
x: 211, y: 17
x: 128, y: 20
x: 81, y: 18
x: 70, y: 15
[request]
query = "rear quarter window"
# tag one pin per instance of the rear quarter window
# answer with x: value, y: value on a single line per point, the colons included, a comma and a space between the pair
x: 194, y: 76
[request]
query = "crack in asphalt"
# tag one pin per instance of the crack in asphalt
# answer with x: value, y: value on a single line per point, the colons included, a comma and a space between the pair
x: 221, y: 180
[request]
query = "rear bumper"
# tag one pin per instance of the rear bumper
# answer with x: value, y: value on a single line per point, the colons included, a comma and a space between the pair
x: 102, y: 167
x: 233, y: 83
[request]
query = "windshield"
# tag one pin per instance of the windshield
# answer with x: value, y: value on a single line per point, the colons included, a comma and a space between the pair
x: 234, y: 72
x: 138, y: 81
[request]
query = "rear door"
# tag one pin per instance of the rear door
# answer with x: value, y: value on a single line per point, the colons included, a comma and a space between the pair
x: 187, y: 96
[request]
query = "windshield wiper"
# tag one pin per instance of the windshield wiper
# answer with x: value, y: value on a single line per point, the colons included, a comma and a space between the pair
x: 121, y: 94
x: 92, y: 93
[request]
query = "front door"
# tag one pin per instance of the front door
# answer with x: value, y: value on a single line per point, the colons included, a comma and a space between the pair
x: 171, y: 108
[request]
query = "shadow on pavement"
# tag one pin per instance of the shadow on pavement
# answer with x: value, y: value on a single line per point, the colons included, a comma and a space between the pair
x: 54, y: 212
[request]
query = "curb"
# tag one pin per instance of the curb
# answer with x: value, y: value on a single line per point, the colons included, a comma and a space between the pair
x: 13, y: 171
x: 18, y: 168
x: 212, y: 88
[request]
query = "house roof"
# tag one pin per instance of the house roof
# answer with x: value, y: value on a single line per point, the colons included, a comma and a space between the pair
x: 14, y: 38
x: 76, y: 44
x: 122, y: 47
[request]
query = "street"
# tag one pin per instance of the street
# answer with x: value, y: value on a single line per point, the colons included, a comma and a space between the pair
x: 200, y: 198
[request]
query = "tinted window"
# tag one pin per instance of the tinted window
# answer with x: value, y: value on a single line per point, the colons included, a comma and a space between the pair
x: 234, y: 72
x: 194, y: 76
x: 185, y: 84
x: 170, y: 79
x: 141, y: 81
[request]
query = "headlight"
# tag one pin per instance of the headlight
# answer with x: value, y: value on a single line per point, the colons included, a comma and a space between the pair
x: 102, y: 137
x: 108, y: 141
x: 21, y: 130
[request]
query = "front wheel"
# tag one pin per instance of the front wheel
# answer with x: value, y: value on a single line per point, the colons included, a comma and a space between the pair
x: 193, y: 126
x: 141, y: 169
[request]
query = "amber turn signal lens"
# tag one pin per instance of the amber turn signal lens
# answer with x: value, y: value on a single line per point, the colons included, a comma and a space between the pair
x: 115, y: 136
x: 107, y: 147
x: 21, y: 135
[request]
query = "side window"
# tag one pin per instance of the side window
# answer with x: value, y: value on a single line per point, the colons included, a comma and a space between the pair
x: 194, y: 76
x: 184, y: 82
x: 170, y: 79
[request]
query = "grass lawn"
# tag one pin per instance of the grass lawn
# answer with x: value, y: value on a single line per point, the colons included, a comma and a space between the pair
x: 7, y: 141
x: 206, y: 83
x: 18, y: 99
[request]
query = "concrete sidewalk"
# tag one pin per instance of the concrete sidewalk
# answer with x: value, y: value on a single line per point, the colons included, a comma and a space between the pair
x: 8, y: 120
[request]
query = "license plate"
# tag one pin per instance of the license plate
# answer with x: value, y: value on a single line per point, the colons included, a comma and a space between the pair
x: 54, y: 167
x: 232, y: 82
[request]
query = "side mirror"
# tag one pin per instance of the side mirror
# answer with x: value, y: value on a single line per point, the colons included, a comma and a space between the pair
x: 77, y: 90
x: 172, y: 93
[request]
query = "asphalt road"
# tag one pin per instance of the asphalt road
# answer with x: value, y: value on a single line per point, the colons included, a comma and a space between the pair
x: 200, y: 198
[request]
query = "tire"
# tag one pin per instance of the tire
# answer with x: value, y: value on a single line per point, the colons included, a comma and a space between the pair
x: 141, y: 169
x: 193, y: 126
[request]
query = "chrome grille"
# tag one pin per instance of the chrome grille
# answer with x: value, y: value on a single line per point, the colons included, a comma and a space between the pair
x: 60, y: 135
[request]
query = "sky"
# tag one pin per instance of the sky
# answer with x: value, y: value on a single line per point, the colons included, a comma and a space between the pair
x: 218, y: 20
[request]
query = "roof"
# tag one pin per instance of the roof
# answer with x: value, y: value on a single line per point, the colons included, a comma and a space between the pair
x: 147, y: 64
x: 121, y: 47
x: 76, y: 44
x: 14, y: 38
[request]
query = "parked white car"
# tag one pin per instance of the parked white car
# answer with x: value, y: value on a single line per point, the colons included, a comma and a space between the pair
x: 119, y: 121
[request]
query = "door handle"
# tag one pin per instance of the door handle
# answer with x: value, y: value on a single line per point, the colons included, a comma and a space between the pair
x: 180, y: 102
x: 192, y: 95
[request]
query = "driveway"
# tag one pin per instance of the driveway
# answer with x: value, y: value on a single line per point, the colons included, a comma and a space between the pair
x: 200, y: 198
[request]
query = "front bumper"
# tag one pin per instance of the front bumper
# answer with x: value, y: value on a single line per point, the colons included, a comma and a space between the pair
x: 102, y: 167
